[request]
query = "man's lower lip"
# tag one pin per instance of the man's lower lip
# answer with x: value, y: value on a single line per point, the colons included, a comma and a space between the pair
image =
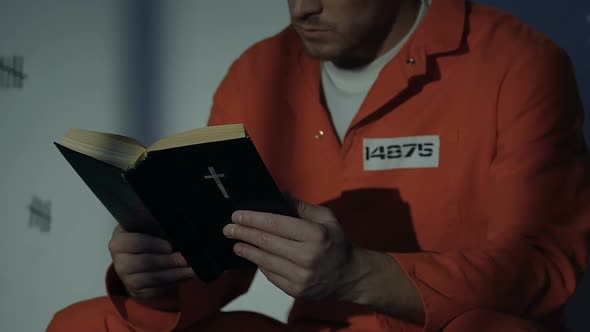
x: 315, y: 34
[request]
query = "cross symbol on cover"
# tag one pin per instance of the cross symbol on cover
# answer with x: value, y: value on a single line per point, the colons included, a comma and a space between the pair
x: 216, y: 177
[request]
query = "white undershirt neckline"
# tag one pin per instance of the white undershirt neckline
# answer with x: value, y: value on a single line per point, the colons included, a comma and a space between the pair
x: 346, y: 89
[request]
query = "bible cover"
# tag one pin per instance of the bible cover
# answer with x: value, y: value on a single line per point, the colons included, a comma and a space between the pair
x: 187, y: 195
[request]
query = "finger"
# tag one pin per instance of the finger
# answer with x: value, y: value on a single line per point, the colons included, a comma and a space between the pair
x: 279, y: 246
x: 315, y: 213
x: 137, y: 243
x: 137, y: 263
x: 158, y: 279
x: 281, y: 282
x: 118, y: 229
x: 150, y: 293
x: 270, y: 262
x: 283, y: 226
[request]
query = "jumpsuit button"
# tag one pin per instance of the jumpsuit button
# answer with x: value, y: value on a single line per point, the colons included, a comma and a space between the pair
x: 319, y: 134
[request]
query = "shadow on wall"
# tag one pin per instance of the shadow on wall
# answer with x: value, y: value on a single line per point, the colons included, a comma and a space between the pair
x: 568, y: 24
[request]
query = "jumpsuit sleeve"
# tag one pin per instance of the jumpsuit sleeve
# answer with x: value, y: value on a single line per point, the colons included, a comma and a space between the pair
x: 195, y: 300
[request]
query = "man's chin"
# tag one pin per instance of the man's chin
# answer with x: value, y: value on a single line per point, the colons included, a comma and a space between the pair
x: 337, y: 56
x: 320, y: 52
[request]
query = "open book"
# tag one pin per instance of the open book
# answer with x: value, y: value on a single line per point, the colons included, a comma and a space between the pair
x: 183, y: 188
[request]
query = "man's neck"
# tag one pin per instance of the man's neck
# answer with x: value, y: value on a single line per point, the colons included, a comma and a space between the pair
x: 403, y: 23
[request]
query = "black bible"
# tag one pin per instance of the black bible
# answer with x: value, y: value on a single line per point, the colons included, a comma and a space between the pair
x: 183, y: 188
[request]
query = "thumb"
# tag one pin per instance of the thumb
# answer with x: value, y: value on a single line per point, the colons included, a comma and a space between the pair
x: 311, y: 212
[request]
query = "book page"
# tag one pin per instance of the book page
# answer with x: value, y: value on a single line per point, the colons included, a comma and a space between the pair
x: 201, y: 135
x: 117, y: 150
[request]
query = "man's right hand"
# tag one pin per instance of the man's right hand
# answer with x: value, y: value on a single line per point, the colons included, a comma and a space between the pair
x: 147, y: 265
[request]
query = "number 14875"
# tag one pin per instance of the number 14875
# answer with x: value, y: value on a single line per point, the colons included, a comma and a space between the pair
x: 397, y: 151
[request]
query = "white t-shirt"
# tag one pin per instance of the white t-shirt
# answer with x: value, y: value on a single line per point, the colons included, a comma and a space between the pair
x: 346, y: 89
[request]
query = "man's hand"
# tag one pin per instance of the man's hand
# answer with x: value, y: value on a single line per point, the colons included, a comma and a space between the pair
x: 311, y: 258
x: 148, y: 267
x: 307, y: 258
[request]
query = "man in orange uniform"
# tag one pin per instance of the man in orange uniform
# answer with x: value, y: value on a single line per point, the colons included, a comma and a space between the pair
x: 439, y: 147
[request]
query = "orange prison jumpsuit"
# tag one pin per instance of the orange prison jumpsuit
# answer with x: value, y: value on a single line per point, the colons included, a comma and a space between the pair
x: 495, y: 237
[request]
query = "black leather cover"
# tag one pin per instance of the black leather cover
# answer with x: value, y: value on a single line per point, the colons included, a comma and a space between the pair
x: 113, y: 191
x: 190, y: 208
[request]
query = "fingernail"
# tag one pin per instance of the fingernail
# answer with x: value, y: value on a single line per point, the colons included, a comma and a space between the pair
x: 178, y: 258
x: 189, y: 272
x: 228, y: 231
x: 182, y: 259
x: 236, y: 216
x: 238, y: 249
